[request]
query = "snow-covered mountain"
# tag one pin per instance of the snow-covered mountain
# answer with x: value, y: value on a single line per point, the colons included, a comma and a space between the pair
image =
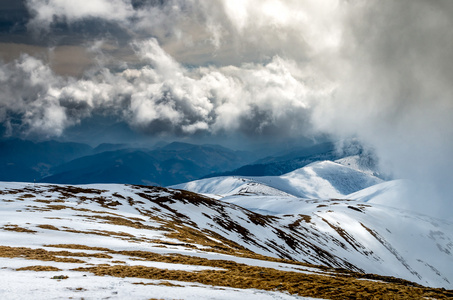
x: 374, y: 238
x: 168, y: 238
x: 320, y: 180
x: 371, y: 227
x: 384, y: 193
x: 361, y: 163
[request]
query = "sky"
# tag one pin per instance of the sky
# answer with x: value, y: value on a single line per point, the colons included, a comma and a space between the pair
x: 238, y: 70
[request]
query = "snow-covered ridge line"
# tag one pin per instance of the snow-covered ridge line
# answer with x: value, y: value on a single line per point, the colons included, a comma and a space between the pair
x: 319, y: 180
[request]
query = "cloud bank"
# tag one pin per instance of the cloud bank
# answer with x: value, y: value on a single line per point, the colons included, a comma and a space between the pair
x: 395, y: 93
x: 160, y: 97
x: 377, y: 71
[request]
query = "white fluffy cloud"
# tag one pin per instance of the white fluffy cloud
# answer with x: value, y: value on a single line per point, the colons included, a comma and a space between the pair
x: 163, y: 96
x: 379, y: 71
x: 48, y: 11
x: 28, y: 93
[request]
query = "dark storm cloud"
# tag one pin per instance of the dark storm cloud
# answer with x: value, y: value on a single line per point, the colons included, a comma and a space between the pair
x: 14, y: 17
x: 161, y: 97
x: 379, y: 71
x: 396, y: 94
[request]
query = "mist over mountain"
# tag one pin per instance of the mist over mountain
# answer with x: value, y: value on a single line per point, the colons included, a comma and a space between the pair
x: 287, y: 161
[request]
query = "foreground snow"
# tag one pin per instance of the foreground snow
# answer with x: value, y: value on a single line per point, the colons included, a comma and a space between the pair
x: 29, y: 285
x: 66, y: 225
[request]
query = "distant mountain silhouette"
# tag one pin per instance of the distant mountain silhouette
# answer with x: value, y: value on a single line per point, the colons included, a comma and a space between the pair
x: 25, y: 160
x: 173, y: 163
x: 170, y: 164
x: 285, y: 162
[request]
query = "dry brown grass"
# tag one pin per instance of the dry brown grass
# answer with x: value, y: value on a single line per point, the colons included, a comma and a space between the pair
x: 39, y: 268
x: 49, y: 201
x: 120, y: 234
x: 49, y: 207
x: 27, y: 196
x: 164, y: 283
x: 302, y: 218
x: 47, y: 226
x: 171, y: 258
x: 44, y: 255
x: 60, y: 277
x: 245, y: 277
x: 176, y: 229
x: 95, y: 232
x: 36, y: 254
x: 117, y: 220
x: 17, y: 228
x: 78, y: 247
x: 340, y: 284
x: 71, y: 191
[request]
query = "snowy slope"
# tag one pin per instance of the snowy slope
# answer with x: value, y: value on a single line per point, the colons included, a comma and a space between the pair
x: 368, y: 229
x: 318, y: 180
x: 359, y: 163
x: 53, y: 238
x: 375, y: 238
x: 219, y: 187
x: 324, y: 179
x: 130, y: 223
x: 395, y: 193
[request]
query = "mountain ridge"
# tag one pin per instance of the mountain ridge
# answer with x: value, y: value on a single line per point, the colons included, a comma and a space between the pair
x: 75, y: 163
x: 324, y: 179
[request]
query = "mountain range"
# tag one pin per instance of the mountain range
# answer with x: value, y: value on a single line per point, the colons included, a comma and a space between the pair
x: 75, y: 163
x: 162, y: 165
